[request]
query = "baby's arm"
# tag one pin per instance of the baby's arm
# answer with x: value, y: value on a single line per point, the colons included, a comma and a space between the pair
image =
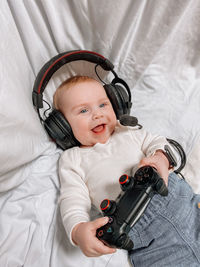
x: 152, y: 147
x: 75, y: 205
x: 84, y: 235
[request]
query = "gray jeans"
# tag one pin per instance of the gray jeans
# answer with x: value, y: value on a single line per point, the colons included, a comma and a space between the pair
x: 168, y: 233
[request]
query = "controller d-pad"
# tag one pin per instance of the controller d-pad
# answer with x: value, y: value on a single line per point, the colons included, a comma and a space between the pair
x: 143, y: 174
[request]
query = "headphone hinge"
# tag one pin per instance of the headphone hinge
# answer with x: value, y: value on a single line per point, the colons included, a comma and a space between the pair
x: 37, y: 100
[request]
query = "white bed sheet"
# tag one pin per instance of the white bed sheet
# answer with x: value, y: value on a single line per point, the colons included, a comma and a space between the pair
x: 154, y: 46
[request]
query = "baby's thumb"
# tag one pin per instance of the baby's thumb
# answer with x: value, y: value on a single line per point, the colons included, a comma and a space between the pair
x: 100, y: 222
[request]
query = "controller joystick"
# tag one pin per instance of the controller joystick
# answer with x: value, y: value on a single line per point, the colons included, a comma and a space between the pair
x: 126, y: 182
x: 129, y: 206
x: 108, y: 206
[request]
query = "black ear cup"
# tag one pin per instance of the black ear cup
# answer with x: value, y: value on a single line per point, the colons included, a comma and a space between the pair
x: 60, y: 130
x: 118, y: 98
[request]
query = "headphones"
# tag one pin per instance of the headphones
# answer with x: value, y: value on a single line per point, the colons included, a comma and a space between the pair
x: 56, y: 124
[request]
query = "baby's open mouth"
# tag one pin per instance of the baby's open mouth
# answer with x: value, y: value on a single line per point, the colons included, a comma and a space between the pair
x: 99, y: 128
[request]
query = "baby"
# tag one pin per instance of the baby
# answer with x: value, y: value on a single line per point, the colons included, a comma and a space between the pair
x: 89, y: 173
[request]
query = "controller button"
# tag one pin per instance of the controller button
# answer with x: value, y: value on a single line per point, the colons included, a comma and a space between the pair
x: 110, y: 220
x: 100, y: 233
x: 139, y: 176
x: 109, y: 230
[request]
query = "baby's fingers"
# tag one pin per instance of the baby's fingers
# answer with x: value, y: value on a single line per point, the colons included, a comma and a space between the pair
x: 100, y: 222
x: 102, y: 249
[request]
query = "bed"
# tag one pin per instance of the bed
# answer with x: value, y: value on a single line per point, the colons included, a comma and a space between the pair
x: 154, y: 46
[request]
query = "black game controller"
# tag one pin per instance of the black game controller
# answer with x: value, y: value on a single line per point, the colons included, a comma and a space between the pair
x: 129, y: 206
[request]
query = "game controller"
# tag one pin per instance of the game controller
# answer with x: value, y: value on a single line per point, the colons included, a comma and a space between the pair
x: 125, y: 211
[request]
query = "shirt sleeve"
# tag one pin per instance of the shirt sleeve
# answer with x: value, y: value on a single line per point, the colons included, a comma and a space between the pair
x: 75, y: 202
x: 149, y: 143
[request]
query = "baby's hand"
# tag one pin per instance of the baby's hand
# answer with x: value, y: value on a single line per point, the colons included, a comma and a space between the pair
x: 160, y: 162
x: 84, y: 235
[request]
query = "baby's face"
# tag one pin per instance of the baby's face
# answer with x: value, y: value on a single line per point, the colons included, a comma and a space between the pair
x: 89, y: 112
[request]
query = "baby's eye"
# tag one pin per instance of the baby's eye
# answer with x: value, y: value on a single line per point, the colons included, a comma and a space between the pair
x: 83, y: 110
x: 102, y: 105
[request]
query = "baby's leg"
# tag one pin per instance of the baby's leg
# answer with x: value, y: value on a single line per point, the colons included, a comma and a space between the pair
x: 168, y: 234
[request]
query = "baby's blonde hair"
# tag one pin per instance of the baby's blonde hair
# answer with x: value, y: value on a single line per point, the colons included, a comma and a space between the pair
x: 66, y: 85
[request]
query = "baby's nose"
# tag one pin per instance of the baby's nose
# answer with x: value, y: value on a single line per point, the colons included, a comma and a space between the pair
x: 97, y: 114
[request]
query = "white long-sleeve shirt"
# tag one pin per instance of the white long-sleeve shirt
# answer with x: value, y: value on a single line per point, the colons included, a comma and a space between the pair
x: 89, y: 175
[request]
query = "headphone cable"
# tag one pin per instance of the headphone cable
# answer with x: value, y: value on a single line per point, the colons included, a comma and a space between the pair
x: 49, y: 107
x: 182, y: 154
x: 44, y: 113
